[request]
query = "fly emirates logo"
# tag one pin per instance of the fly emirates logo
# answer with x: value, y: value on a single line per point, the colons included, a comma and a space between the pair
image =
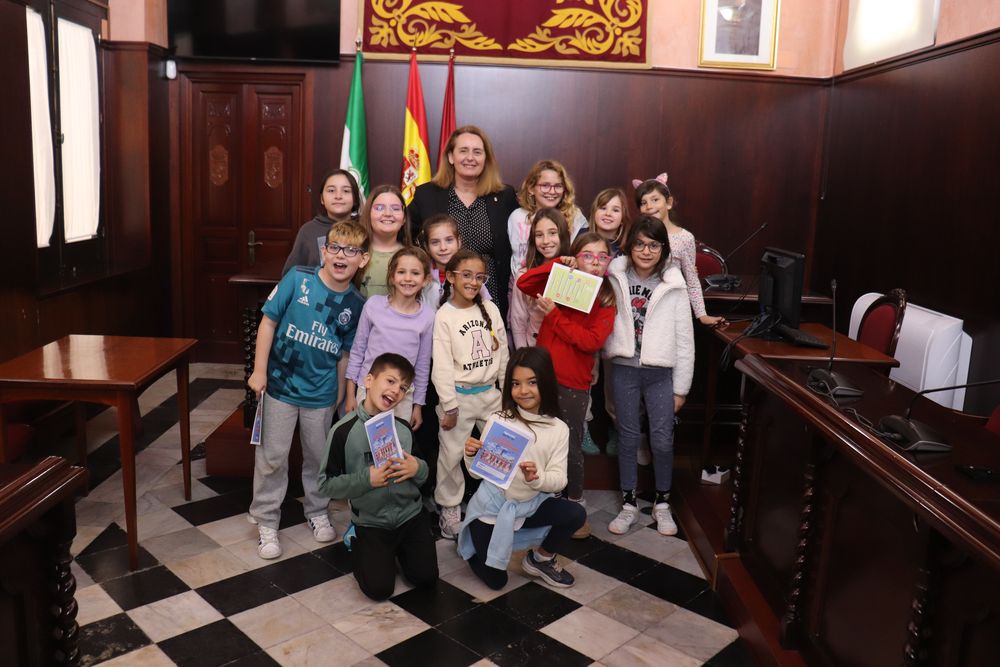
x: 316, y: 338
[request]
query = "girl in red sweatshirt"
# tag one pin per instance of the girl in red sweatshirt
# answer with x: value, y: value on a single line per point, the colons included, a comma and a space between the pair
x: 573, y: 338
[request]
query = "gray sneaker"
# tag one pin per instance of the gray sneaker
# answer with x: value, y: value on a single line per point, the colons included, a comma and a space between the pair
x: 550, y: 571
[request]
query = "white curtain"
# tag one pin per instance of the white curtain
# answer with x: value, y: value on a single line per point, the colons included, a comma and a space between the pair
x: 80, y: 119
x: 41, y: 130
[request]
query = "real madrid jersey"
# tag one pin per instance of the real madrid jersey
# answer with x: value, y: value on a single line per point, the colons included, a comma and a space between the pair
x: 315, y: 326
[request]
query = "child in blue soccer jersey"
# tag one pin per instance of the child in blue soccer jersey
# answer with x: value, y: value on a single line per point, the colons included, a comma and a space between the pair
x: 308, y: 324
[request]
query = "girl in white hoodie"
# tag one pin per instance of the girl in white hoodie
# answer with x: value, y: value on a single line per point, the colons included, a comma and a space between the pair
x: 653, y: 305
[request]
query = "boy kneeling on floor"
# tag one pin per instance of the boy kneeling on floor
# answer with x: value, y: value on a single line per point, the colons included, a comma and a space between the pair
x: 385, y: 502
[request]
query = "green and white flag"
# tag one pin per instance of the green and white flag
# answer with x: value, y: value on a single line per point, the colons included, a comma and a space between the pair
x: 354, y: 151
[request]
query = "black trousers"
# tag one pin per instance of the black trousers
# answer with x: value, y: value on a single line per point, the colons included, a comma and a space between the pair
x: 564, y: 516
x: 375, y: 551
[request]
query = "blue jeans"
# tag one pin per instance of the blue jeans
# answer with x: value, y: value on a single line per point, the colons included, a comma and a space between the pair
x: 655, y: 388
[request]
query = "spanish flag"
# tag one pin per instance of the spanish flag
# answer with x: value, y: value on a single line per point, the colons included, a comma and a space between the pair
x: 416, y: 156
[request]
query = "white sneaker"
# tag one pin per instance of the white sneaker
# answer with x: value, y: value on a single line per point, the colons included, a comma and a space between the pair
x: 322, y: 530
x: 267, y: 546
x: 664, y: 521
x: 450, y: 522
x: 621, y: 523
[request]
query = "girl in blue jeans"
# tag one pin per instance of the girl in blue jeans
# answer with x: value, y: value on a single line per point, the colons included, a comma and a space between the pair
x: 652, y: 301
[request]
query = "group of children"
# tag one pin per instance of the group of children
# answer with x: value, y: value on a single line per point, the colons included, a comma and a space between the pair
x: 373, y: 323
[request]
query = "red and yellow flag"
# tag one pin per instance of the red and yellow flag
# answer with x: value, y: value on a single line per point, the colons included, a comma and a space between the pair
x: 416, y: 156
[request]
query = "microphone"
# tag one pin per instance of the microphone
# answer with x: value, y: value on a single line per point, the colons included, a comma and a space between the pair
x: 826, y: 380
x: 914, y: 436
x: 725, y: 281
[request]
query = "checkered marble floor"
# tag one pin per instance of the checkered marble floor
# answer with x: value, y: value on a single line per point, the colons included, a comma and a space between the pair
x: 202, y: 596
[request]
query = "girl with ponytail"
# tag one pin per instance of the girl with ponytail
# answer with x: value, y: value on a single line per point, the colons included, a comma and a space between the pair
x: 470, y: 361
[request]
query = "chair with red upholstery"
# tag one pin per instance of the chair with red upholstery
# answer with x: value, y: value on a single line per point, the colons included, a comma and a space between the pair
x: 881, y: 323
x: 708, y: 261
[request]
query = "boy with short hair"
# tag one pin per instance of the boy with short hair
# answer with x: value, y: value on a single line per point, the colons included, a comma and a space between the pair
x: 308, y: 326
x: 385, y: 502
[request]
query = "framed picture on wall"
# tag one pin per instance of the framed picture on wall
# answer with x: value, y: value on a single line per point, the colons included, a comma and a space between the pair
x: 739, y: 33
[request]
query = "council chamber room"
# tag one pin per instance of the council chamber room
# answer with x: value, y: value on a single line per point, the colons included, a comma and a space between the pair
x: 324, y: 332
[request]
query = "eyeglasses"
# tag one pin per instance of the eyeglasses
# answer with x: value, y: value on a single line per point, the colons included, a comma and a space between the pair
x: 551, y: 187
x: 600, y: 258
x: 381, y: 208
x: 469, y: 275
x: 652, y: 246
x: 348, y: 250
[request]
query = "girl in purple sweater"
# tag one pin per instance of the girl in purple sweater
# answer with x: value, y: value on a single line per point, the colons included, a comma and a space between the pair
x: 397, y: 322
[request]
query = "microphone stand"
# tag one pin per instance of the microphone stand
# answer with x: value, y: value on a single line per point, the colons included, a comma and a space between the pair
x: 726, y: 281
x: 914, y: 436
x: 826, y: 379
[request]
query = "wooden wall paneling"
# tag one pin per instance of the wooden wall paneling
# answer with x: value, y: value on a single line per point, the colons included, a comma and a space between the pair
x: 740, y: 150
x: 127, y: 133
x: 910, y: 197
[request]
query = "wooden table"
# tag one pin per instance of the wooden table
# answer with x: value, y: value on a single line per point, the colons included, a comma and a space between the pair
x: 864, y: 554
x: 110, y: 370
x: 848, y: 351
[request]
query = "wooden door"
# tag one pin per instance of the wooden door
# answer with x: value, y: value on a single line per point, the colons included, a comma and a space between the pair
x: 244, y: 161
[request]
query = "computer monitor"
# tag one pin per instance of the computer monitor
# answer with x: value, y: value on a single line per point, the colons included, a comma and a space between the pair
x: 780, y: 289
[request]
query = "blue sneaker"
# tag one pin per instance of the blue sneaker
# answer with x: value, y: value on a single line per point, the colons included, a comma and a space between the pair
x: 349, y: 536
x: 588, y: 445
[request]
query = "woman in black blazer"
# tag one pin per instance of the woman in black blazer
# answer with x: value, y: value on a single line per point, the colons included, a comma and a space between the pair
x: 468, y: 187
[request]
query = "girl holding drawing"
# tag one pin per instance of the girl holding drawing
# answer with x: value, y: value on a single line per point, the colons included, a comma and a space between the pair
x: 549, y: 239
x: 653, y: 306
x: 573, y: 337
x: 501, y: 520
x: 470, y: 356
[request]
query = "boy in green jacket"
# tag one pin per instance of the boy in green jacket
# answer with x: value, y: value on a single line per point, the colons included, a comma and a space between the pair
x: 385, y: 502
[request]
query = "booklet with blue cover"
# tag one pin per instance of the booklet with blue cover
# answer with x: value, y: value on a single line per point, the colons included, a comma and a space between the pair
x: 504, y: 443
x: 258, y: 422
x: 383, y: 438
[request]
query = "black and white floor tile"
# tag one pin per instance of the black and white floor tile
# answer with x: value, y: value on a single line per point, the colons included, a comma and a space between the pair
x: 202, y: 596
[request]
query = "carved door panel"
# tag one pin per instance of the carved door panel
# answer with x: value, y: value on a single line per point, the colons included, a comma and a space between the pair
x: 242, y: 167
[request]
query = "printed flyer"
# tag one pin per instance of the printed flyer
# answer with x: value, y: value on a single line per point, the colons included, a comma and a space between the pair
x: 504, y: 443
x: 382, y: 438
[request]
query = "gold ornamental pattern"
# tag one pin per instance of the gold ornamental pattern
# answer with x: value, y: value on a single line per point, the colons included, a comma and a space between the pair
x: 598, y: 32
x: 596, y: 29
x: 418, y: 25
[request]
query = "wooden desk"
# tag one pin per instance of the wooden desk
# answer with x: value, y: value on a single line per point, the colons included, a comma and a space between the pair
x: 866, y: 554
x: 111, y: 370
x: 37, y: 526
x: 848, y: 351
x: 747, y: 293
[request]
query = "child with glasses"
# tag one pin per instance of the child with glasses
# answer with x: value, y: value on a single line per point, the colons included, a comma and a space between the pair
x: 308, y: 324
x: 470, y: 359
x: 653, y: 306
x: 574, y: 338
x: 547, y: 185
x: 385, y: 219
